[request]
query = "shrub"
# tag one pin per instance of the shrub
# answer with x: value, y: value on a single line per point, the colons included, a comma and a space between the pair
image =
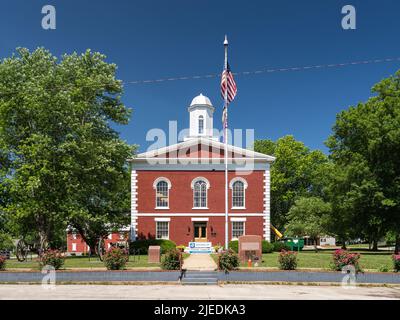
x: 278, y: 246
x: 2, y: 263
x: 287, y: 260
x: 228, y: 260
x: 181, y: 248
x: 267, y: 247
x: 115, y: 258
x: 171, y: 260
x: 383, y: 268
x: 396, y: 262
x: 143, y: 245
x: 342, y: 258
x: 54, y: 258
x: 234, y: 245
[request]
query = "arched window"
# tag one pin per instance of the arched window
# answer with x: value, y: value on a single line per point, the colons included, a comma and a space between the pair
x: 200, y: 186
x: 238, y: 186
x: 162, y: 186
x: 201, y: 125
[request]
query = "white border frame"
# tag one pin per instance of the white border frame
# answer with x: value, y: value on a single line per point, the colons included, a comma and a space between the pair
x: 245, y: 185
x: 207, y: 187
x: 160, y: 179
x: 168, y: 222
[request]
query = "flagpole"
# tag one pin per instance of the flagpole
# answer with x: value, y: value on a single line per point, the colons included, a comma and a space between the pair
x: 226, y: 146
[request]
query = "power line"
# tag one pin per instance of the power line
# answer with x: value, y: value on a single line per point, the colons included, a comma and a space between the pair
x: 266, y: 70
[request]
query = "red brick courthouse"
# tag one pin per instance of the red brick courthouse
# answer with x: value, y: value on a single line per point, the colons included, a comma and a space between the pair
x: 178, y: 192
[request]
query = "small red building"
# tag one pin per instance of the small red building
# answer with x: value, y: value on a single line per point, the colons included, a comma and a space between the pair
x: 178, y: 191
x: 76, y: 245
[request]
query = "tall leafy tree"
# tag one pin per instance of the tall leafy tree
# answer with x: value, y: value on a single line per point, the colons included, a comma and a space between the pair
x: 309, y: 217
x: 297, y: 172
x: 365, y: 145
x: 65, y: 164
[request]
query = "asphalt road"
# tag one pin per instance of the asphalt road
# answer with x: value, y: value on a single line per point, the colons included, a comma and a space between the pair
x: 168, y: 292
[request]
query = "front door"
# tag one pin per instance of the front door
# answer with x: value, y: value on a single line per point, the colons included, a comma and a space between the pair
x: 200, y: 232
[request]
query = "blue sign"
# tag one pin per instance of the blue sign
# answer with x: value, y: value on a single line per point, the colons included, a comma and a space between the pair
x: 200, y: 247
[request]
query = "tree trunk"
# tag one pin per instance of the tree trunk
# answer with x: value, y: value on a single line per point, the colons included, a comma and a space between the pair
x: 397, y: 245
x: 374, y: 245
x: 343, y: 244
x: 315, y: 245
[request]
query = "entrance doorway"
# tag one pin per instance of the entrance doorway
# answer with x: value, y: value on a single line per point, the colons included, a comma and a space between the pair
x: 200, y: 231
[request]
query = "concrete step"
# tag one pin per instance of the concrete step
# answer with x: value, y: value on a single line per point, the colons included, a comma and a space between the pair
x: 200, y: 278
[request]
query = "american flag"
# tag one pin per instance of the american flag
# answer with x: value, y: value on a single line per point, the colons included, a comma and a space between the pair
x: 228, y: 85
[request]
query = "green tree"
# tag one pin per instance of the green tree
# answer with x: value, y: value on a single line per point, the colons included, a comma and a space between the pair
x: 64, y: 164
x: 297, y: 172
x: 365, y: 145
x: 308, y: 217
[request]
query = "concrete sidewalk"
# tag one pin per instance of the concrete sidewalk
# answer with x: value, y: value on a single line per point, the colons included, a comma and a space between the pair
x: 199, y: 262
x: 173, y: 292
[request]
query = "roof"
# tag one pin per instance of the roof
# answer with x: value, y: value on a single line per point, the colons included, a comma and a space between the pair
x: 238, y: 153
x: 201, y: 100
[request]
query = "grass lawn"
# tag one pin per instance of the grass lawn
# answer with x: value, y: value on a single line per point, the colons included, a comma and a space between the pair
x: 82, y: 262
x: 309, y: 259
x: 322, y: 260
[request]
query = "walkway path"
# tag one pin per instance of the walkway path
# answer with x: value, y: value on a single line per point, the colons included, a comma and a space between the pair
x: 199, y: 262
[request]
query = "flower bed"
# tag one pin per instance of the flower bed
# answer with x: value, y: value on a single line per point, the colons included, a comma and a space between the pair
x: 342, y: 258
x: 115, y: 259
x: 54, y: 258
x: 228, y: 260
x: 287, y: 260
x: 2, y: 263
x: 171, y: 260
x: 396, y: 262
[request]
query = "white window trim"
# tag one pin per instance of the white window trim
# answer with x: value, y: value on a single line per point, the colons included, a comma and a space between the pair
x: 157, y: 230
x: 238, y: 219
x: 155, y: 188
x: 201, y: 118
x: 200, y: 219
x: 245, y: 185
x: 207, y: 187
x: 162, y: 219
x: 73, y: 247
x: 244, y: 228
x: 200, y: 179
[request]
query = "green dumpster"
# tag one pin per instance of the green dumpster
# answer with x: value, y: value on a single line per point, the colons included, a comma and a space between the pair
x: 295, y: 244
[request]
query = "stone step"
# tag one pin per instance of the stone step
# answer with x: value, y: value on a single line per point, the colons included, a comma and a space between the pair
x: 200, y: 278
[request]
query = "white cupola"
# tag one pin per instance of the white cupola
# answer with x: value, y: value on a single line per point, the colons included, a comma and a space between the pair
x: 201, y: 118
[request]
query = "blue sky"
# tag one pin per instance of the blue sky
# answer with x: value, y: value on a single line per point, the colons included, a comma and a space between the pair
x: 157, y: 39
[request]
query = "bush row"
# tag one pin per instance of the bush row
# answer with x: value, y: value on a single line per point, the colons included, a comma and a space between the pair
x: 267, y: 247
x: 142, y: 246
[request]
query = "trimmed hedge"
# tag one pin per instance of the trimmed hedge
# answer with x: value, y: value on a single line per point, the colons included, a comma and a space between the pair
x: 266, y: 246
x: 143, y: 245
x: 234, y: 245
x: 279, y: 246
